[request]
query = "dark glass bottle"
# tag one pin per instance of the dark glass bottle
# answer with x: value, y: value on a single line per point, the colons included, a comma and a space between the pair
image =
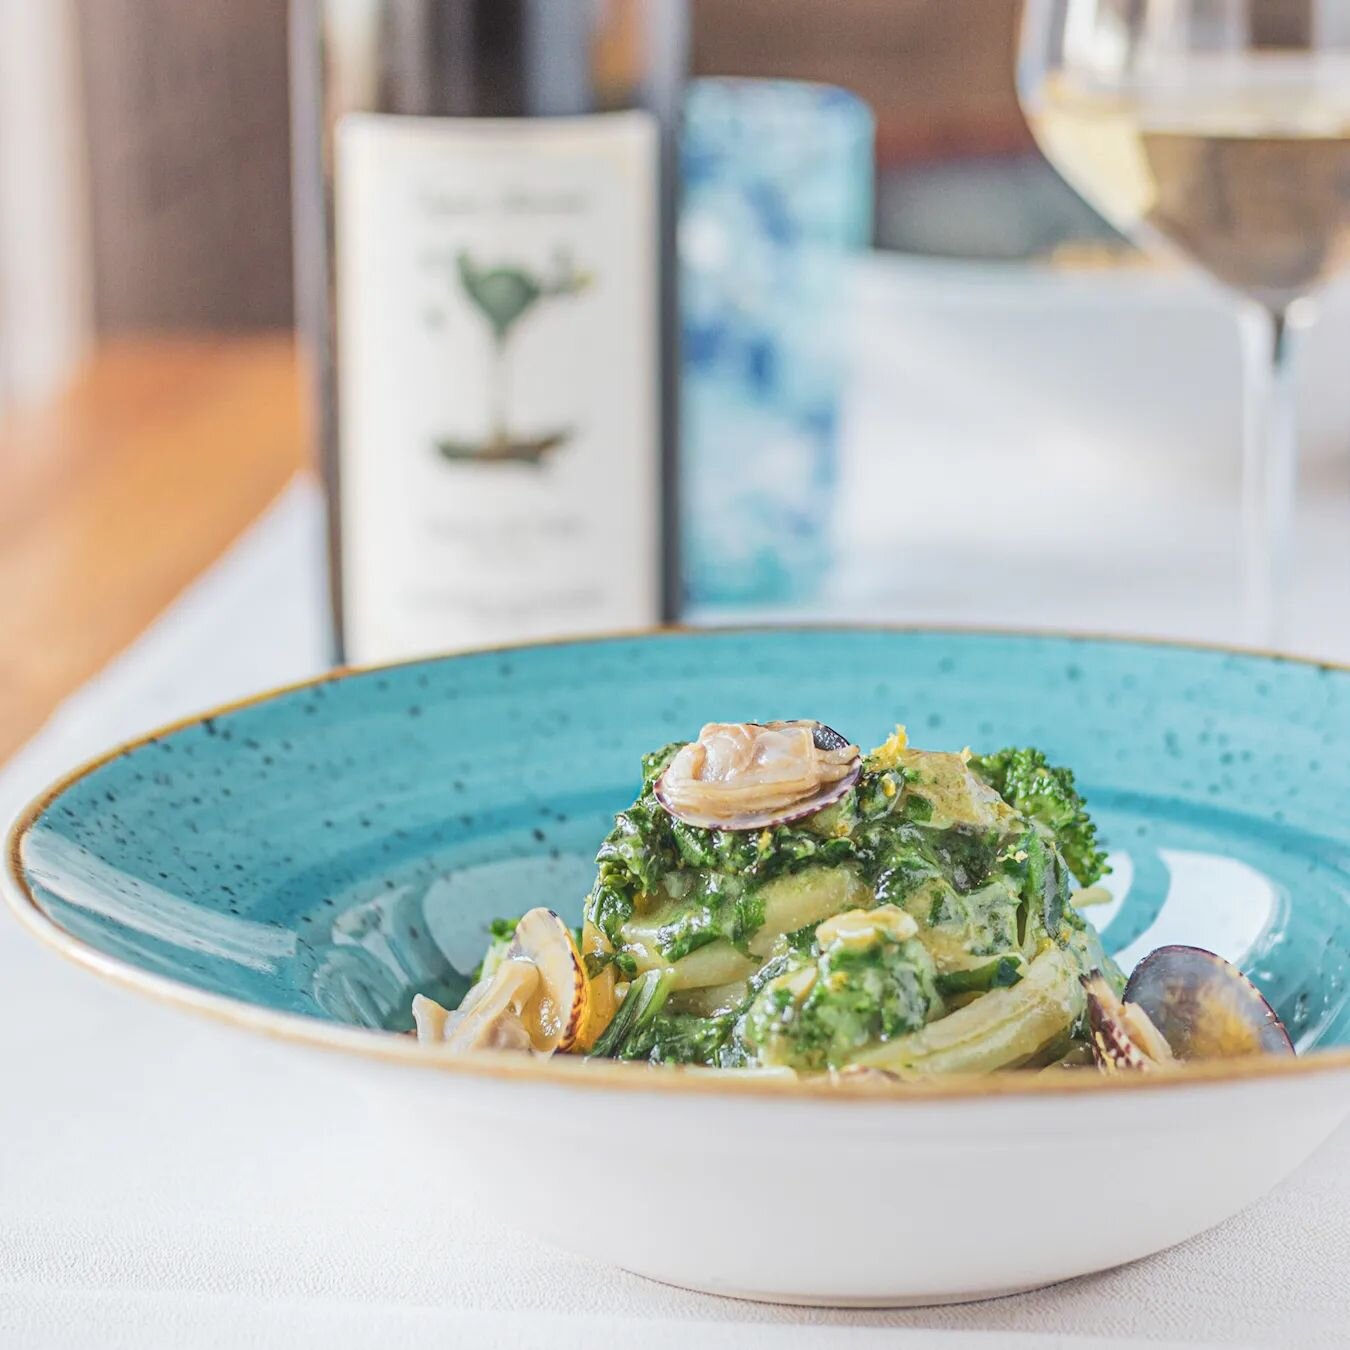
x: 484, y: 206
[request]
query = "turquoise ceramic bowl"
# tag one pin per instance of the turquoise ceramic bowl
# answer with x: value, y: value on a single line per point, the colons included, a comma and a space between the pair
x: 302, y: 863
x: 332, y: 848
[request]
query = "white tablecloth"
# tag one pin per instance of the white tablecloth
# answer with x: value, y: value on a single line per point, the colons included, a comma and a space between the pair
x: 132, y: 1211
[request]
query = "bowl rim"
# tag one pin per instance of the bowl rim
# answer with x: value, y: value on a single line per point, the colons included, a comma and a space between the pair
x: 574, y: 1071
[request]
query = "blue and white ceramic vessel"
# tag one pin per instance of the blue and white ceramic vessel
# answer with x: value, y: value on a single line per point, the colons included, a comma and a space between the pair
x: 776, y: 195
x: 302, y: 863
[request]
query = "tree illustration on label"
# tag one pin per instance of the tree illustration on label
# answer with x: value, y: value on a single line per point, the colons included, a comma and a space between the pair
x: 504, y: 295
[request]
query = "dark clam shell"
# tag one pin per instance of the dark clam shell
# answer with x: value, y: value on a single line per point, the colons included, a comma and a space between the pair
x: 824, y: 738
x: 1205, y: 1007
x: 827, y: 738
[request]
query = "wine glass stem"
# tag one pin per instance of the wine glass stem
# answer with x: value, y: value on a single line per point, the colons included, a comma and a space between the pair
x: 1269, y: 476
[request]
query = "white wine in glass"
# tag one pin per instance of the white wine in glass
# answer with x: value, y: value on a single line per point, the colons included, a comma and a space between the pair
x: 1219, y: 129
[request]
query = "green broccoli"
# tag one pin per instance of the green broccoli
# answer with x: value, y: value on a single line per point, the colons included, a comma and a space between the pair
x: 1031, y: 785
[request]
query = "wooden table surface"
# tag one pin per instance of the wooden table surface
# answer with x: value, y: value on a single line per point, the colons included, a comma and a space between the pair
x: 116, y: 495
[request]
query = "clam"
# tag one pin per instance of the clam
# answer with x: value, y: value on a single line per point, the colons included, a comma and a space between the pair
x: 753, y: 775
x: 430, y: 1018
x: 556, y: 1015
x: 538, y: 998
x: 1180, y: 1004
x: 491, y: 1017
x: 1123, y: 1034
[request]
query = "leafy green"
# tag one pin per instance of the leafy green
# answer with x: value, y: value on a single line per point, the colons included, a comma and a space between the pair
x: 859, y: 996
x: 748, y: 919
x: 626, y: 1035
x: 899, y: 863
x: 965, y: 856
x: 876, y: 825
x: 800, y: 940
x: 723, y: 867
x: 1036, y: 788
x: 683, y: 1038
x: 993, y: 887
x: 1085, y: 943
x: 987, y: 922
x: 688, y: 931
x: 999, y: 974
x: 623, y: 962
x: 712, y: 905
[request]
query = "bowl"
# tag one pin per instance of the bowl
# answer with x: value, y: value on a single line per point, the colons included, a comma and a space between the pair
x: 299, y: 864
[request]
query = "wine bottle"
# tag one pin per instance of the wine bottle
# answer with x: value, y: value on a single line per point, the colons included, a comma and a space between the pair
x: 484, y: 212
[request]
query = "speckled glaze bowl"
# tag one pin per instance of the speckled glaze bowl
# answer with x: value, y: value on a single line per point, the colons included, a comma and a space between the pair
x: 300, y: 864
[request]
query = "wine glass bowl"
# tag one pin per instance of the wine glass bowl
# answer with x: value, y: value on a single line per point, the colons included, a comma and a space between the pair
x: 1217, y: 130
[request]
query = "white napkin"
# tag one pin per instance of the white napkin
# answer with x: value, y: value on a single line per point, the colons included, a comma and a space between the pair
x: 133, y: 1213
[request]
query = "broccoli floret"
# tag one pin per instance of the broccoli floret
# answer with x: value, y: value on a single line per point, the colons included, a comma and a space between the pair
x: 825, y: 1008
x: 1029, y: 784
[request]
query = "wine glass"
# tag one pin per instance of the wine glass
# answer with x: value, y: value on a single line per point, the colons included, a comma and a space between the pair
x: 1219, y: 129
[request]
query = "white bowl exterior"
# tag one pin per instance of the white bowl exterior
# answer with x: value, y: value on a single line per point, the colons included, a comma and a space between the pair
x: 869, y: 1202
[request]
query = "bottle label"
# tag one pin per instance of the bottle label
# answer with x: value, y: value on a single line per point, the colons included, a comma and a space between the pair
x: 498, y: 349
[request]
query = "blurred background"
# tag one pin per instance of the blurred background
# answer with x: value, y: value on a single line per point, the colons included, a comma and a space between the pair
x: 171, y: 125
x: 1032, y: 423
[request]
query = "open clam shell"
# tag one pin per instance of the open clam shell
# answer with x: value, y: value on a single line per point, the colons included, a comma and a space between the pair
x: 491, y: 1017
x: 757, y: 775
x: 557, y: 1013
x: 1123, y: 1037
x: 538, y: 997
x: 1180, y: 1004
x: 1204, y: 1006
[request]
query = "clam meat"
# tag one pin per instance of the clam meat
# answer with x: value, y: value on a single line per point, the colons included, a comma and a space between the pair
x: 753, y: 775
